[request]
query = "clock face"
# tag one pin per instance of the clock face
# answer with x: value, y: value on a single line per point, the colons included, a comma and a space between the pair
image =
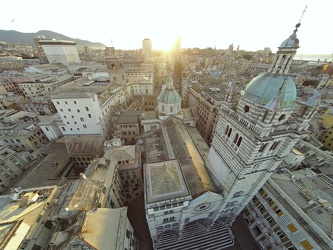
x: 203, y: 207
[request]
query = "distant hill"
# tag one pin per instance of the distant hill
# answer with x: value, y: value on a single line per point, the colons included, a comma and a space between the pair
x: 12, y: 36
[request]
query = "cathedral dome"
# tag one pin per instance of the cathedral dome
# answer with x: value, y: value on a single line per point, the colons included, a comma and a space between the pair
x: 169, y: 95
x: 264, y: 88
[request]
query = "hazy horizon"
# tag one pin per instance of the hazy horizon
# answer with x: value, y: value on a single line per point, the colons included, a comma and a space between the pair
x: 253, y: 25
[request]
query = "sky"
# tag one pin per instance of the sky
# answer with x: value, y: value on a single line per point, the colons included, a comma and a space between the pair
x: 251, y: 25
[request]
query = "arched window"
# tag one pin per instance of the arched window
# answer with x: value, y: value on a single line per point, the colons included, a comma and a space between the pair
x: 246, y: 109
x: 264, y: 116
x: 230, y: 131
x: 282, y: 117
x: 239, y: 141
x: 262, y: 148
x: 274, y: 145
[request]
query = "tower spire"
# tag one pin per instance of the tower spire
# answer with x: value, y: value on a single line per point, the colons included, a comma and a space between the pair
x: 302, y: 14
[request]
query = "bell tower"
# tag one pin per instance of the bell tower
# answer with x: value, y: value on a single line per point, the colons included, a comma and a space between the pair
x: 115, y: 67
x: 253, y: 136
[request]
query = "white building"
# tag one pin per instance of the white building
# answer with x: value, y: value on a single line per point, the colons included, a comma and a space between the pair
x: 147, y: 48
x: 60, y: 51
x: 49, y: 125
x: 85, y: 107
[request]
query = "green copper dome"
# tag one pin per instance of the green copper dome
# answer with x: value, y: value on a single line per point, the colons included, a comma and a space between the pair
x: 264, y: 88
x: 169, y: 95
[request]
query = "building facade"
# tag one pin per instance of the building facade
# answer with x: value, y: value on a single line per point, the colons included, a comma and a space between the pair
x: 22, y: 137
x: 45, y: 85
x: 147, y: 48
x: 293, y: 210
x: 11, y: 167
x: 85, y: 105
x: 61, y: 51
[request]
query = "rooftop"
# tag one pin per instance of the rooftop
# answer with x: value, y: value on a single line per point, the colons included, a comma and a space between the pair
x: 174, y: 141
x: 85, y: 88
x: 49, y: 160
x: 86, y: 196
x: 165, y: 181
x: 105, y: 227
x: 129, y: 117
x: 56, y: 42
x: 310, y: 193
x: 18, y: 213
x: 191, y: 161
x: 83, y: 144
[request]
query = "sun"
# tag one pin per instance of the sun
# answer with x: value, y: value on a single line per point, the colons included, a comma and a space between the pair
x: 164, y: 42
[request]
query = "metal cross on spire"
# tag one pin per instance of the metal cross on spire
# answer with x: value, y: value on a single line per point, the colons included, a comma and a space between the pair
x: 302, y: 14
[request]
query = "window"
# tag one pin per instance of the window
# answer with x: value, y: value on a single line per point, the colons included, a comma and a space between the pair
x: 87, y: 108
x: 229, y: 132
x: 58, y: 103
x: 282, y: 117
x: 280, y: 234
x: 78, y: 111
x: 274, y: 145
x: 65, y: 102
x: 69, y: 110
x: 84, y: 125
x: 262, y: 148
x: 279, y: 212
x: 306, y: 245
x: 61, y: 110
x: 63, y: 128
x: 269, y: 219
x: 47, y: 129
x: 292, y: 227
x: 74, y: 102
x: 239, y: 141
x: 264, y: 116
x: 89, y: 115
x: 246, y: 109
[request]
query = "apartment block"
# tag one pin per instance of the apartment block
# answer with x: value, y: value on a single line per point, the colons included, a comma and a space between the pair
x: 85, y: 107
x: 11, y: 166
x: 293, y: 210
